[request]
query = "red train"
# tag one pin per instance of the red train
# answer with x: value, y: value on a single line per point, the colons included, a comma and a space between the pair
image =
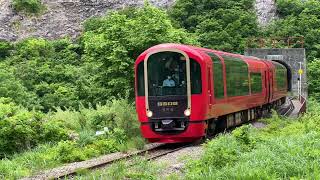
x: 184, y: 93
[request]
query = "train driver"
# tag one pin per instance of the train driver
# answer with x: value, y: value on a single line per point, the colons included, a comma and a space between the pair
x: 169, y: 82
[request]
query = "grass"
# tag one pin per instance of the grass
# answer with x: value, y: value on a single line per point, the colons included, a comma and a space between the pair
x: 285, y: 149
x: 142, y: 169
x: 122, y: 134
x: 49, y: 156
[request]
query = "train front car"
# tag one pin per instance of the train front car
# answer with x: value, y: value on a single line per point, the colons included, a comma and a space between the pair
x: 169, y: 97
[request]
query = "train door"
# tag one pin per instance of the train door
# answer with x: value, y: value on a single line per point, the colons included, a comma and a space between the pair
x: 210, y: 96
x: 268, y: 80
x: 271, y: 85
x: 266, y: 86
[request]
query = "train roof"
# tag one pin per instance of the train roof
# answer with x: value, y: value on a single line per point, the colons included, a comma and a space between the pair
x: 200, y: 53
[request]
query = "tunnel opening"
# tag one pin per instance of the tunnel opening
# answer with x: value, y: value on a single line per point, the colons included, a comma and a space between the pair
x: 289, y: 73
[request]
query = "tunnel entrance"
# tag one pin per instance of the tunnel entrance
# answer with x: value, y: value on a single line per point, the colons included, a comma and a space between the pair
x: 289, y: 73
x: 292, y: 59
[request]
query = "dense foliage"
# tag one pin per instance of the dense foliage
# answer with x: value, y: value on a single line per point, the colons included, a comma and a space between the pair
x: 221, y: 24
x: 21, y: 129
x: 114, y: 42
x: 98, y: 67
x: 313, y: 78
x: 5, y: 48
x: 28, y: 6
x: 301, y: 18
x: 63, y: 136
x: 56, y: 94
x: 285, y: 149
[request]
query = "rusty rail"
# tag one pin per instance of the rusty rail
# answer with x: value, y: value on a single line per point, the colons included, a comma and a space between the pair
x: 71, y: 169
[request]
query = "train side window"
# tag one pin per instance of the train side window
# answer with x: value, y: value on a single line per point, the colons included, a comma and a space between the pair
x: 217, y: 76
x: 256, y: 82
x: 237, y: 76
x: 196, y: 85
x: 281, y: 77
x: 140, y: 79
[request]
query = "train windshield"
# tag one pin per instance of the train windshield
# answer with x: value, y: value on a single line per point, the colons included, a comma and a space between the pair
x: 167, y: 74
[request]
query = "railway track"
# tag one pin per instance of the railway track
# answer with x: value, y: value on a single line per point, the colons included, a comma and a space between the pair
x: 287, y: 108
x: 153, y: 151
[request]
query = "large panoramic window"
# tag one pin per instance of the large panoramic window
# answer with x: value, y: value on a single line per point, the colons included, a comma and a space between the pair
x: 256, y: 82
x: 237, y: 76
x: 281, y: 76
x: 217, y: 76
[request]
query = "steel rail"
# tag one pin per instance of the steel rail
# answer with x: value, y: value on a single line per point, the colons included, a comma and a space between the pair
x: 72, y: 169
x: 290, y: 109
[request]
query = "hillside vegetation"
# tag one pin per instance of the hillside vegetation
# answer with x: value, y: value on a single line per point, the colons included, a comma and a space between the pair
x: 56, y: 94
x: 285, y: 149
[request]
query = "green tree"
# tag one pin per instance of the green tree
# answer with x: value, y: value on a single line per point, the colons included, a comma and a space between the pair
x: 48, y: 69
x: 313, y: 78
x: 112, y: 44
x: 220, y: 24
x: 303, y: 19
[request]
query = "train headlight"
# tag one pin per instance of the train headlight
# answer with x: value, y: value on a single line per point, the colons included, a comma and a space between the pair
x: 187, y: 112
x: 149, y: 114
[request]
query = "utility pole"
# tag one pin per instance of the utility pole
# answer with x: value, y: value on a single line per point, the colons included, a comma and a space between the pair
x: 300, y: 81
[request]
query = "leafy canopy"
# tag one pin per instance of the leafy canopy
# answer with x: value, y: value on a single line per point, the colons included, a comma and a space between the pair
x: 220, y: 24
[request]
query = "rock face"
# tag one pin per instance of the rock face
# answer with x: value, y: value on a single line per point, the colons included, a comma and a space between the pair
x: 266, y: 11
x: 62, y: 17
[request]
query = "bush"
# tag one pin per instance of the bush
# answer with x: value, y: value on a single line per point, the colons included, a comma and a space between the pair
x: 70, y: 151
x: 28, y: 6
x: 116, y: 115
x: 21, y: 129
x: 5, y: 48
x: 11, y: 87
x: 285, y: 149
x: 50, y: 70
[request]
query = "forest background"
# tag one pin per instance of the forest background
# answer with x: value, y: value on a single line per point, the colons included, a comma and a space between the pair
x: 60, y: 92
